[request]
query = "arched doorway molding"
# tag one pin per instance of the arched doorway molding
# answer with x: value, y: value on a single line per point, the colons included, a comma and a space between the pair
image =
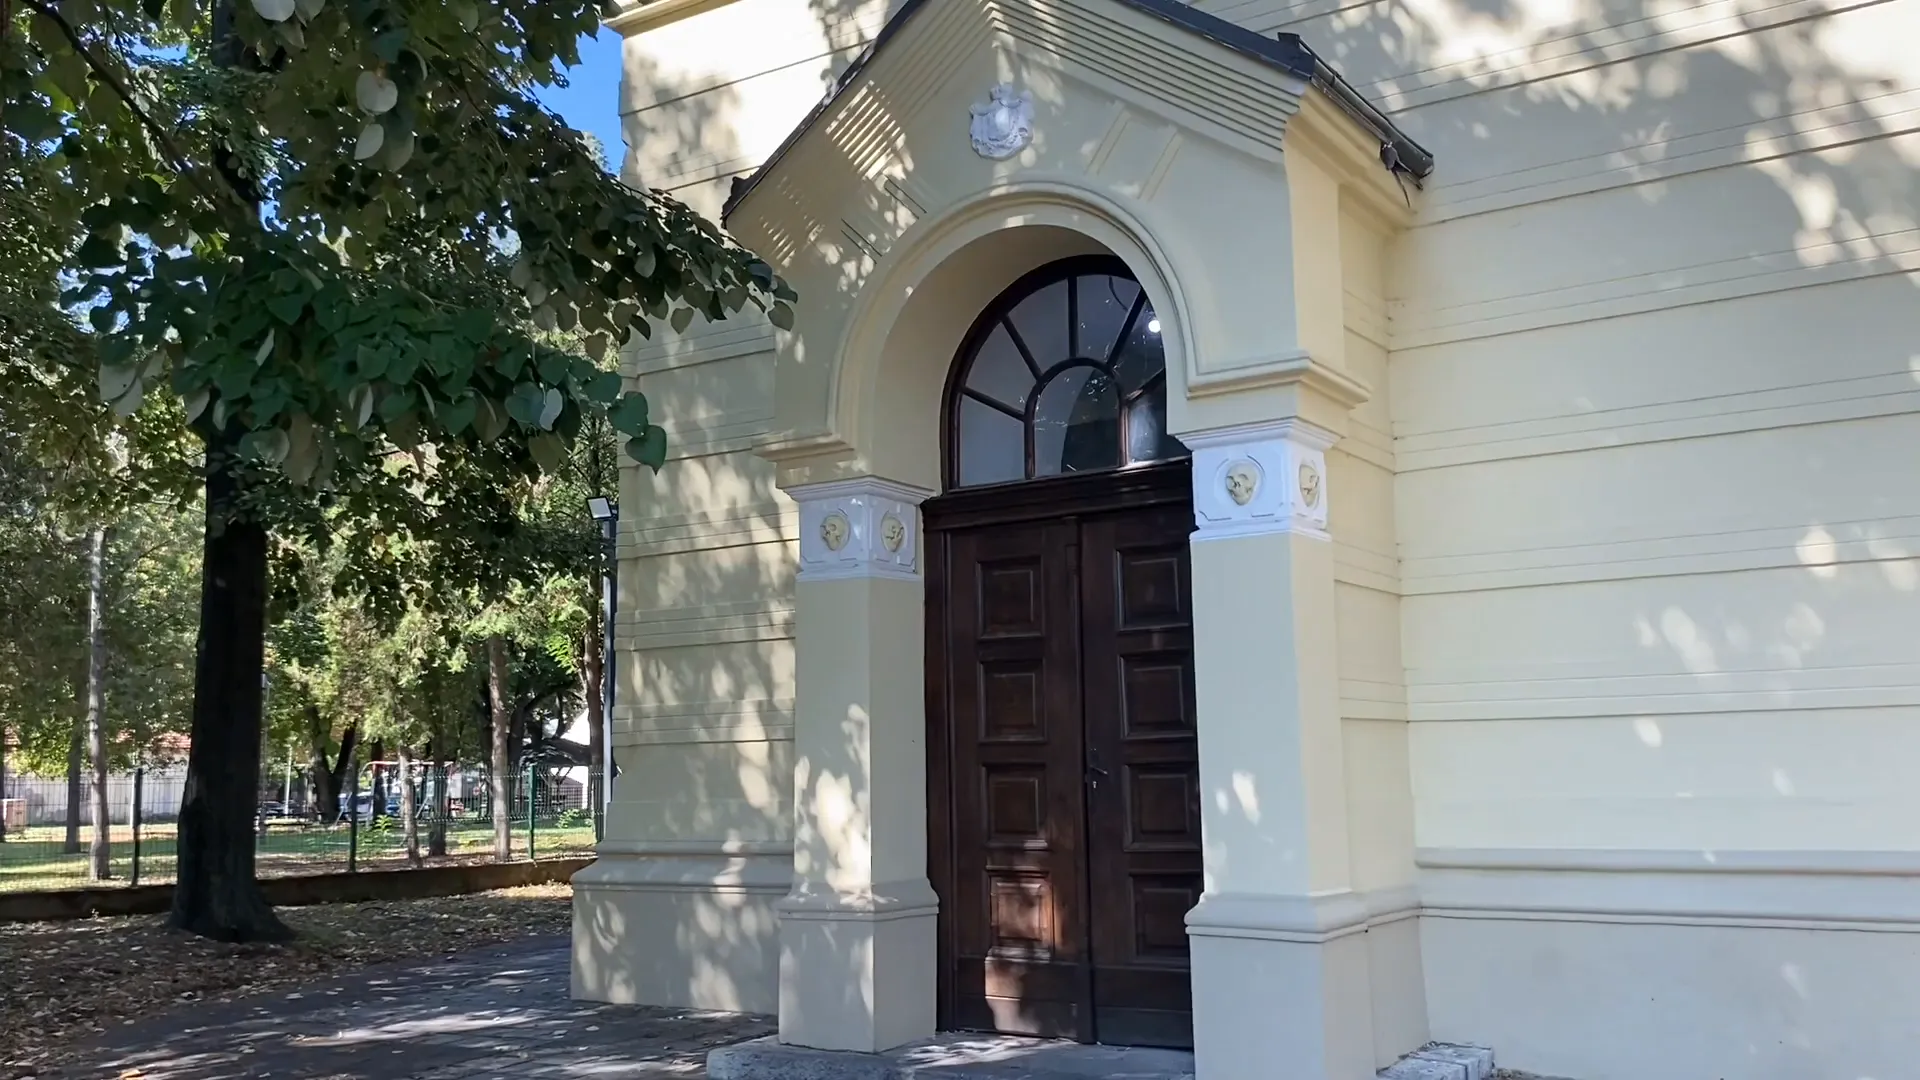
x: 888, y: 369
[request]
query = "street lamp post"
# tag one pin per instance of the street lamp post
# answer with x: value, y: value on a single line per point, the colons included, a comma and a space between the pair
x: 607, y: 512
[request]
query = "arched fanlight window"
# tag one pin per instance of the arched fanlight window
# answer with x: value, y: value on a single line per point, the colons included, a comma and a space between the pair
x: 1063, y: 373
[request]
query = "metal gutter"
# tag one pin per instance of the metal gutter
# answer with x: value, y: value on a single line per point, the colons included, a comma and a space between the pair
x: 1397, y: 152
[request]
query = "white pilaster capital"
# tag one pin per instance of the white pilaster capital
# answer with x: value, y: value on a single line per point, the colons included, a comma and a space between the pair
x: 1254, y: 479
x: 861, y: 528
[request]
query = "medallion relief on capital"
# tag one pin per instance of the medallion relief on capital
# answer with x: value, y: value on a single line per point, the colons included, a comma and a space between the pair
x: 1243, y: 481
x: 858, y: 528
x: 1268, y: 478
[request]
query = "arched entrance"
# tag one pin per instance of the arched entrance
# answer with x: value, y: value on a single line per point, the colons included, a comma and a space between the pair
x: 1064, y: 817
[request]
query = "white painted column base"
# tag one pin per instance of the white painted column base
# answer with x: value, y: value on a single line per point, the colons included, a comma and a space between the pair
x: 685, y: 924
x: 856, y: 973
x: 857, y: 931
x: 1281, y: 979
x: 1281, y: 969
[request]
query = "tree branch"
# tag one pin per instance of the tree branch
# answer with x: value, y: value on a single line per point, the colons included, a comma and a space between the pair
x: 125, y: 94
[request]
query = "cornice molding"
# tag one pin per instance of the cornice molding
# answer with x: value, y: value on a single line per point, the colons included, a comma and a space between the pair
x: 1338, y: 388
x: 633, y: 17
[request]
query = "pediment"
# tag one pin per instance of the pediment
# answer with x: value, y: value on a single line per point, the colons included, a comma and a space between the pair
x: 1155, y: 61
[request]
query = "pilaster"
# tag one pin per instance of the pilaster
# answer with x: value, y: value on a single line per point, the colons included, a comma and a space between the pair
x: 1279, y: 956
x: 857, y: 930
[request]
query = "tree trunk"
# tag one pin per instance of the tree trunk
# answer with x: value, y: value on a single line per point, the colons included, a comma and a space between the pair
x: 377, y: 756
x: 410, y: 828
x: 3, y: 783
x: 100, y: 850
x: 502, y: 777
x: 437, y: 778
x: 217, y: 895
x: 592, y: 671
x: 329, y: 780
x: 76, y: 766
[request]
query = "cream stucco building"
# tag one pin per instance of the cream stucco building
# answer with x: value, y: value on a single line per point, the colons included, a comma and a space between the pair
x: 1300, y: 528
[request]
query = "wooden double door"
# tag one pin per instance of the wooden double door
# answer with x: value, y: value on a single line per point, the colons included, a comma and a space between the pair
x: 1065, y: 814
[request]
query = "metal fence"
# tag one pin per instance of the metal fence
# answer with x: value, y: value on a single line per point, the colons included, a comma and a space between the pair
x: 49, y: 836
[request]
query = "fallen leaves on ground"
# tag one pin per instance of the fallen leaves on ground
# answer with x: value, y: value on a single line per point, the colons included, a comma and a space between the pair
x: 68, y: 981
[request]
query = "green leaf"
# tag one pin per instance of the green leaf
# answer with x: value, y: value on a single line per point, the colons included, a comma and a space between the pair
x: 489, y: 422
x: 388, y: 45
x: 398, y: 151
x: 375, y: 93
x: 455, y: 415
x: 603, y: 388
x: 270, y: 446
x: 513, y: 360
x: 629, y: 416
x: 99, y: 252
x: 303, y: 450
x: 129, y: 402
x: 370, y: 362
x: 550, y: 407
x: 781, y: 316
x: 287, y: 307
x: 404, y: 430
x: 360, y: 400
x: 196, y: 403
x: 524, y: 404
x: 372, y: 138
x: 682, y: 318
x: 474, y: 324
x: 548, y: 452
x: 116, y: 379
x: 650, y: 449
x: 265, y: 350
x: 395, y: 404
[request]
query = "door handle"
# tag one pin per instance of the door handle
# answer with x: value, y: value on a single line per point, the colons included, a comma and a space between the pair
x: 1095, y: 773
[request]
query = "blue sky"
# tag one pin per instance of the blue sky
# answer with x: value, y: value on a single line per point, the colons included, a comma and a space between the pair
x: 591, y: 101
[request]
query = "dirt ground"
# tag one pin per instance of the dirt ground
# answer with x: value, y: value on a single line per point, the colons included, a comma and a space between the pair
x: 68, y: 981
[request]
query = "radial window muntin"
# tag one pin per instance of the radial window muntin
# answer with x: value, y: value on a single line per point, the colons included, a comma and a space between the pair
x: 1007, y: 421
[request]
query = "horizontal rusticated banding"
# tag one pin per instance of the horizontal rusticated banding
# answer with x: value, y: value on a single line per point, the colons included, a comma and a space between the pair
x: 717, y: 624
x: 769, y: 719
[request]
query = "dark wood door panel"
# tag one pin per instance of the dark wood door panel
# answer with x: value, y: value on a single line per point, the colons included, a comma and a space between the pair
x: 1015, y: 938
x: 1143, y: 831
x: 1063, y: 755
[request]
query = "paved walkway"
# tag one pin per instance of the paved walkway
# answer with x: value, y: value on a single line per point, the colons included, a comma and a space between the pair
x: 479, y: 1016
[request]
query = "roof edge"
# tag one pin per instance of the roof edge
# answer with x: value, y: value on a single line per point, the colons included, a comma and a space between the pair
x: 1398, y: 152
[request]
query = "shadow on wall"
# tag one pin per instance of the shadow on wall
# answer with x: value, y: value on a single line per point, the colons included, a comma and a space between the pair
x: 1620, y: 101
